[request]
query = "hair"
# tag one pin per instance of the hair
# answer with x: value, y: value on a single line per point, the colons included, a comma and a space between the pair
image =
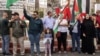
x: 48, y: 12
x: 46, y: 31
x: 93, y: 14
x: 15, y: 13
x: 5, y: 12
x: 36, y: 12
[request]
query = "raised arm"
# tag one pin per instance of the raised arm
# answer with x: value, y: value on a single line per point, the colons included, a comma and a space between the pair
x: 25, y: 14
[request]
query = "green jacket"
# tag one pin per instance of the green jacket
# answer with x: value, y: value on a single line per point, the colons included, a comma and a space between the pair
x: 18, y: 29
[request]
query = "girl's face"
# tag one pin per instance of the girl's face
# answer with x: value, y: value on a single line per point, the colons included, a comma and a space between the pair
x: 48, y: 30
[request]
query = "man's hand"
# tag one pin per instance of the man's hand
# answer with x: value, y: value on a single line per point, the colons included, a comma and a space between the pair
x: 11, y: 20
x: 20, y: 22
x: 84, y: 34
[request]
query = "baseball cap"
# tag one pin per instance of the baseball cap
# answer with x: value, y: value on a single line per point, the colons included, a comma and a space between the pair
x: 15, y: 13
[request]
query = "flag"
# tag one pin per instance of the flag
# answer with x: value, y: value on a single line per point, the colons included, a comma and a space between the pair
x: 66, y: 11
x: 84, y: 8
x: 75, y: 11
x: 84, y: 5
x: 87, y: 6
x: 79, y: 5
x: 9, y: 3
x: 65, y: 14
x: 57, y: 10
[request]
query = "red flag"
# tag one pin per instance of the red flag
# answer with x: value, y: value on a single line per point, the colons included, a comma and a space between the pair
x: 57, y: 10
x: 66, y: 11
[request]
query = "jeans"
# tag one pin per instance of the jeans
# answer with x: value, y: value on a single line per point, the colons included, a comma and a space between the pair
x: 5, y: 43
x: 34, y: 39
x: 75, y: 41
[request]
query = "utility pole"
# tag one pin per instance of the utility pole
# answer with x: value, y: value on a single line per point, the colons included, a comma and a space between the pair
x: 37, y: 5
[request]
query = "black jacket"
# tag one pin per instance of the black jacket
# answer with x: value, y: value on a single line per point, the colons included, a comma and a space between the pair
x: 4, y: 28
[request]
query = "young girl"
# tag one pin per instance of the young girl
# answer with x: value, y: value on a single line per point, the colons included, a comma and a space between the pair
x: 47, y: 42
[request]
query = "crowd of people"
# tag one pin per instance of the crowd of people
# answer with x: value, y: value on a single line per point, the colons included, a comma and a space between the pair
x: 87, y: 29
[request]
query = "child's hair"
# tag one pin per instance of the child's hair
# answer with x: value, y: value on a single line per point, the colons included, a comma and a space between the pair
x: 46, y: 31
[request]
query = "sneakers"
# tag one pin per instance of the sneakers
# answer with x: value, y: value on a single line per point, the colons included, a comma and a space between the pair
x: 93, y: 54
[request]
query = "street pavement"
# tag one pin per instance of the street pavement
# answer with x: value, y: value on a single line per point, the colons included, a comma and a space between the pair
x: 62, y: 54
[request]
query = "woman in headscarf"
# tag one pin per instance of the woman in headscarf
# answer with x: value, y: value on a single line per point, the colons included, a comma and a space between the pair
x: 88, y: 29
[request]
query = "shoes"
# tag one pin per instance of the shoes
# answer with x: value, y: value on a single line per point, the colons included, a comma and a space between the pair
x: 65, y: 52
x: 93, y: 53
x: 79, y: 52
x: 59, y: 52
x: 3, y: 53
x: 45, y: 54
x: 22, y: 54
x: 86, y: 53
x: 49, y: 54
x: 38, y: 55
x: 8, y: 54
x: 14, y: 55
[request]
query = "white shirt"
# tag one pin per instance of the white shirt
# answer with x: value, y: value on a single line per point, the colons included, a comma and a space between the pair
x: 48, y: 22
x: 63, y: 28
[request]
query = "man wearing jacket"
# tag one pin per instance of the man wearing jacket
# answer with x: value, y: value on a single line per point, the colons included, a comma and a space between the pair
x: 35, y: 29
x: 4, y: 32
x: 17, y: 33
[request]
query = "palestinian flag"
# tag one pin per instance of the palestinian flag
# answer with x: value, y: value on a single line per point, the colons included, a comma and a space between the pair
x: 75, y: 11
x: 84, y: 6
x: 9, y: 3
x: 65, y: 14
